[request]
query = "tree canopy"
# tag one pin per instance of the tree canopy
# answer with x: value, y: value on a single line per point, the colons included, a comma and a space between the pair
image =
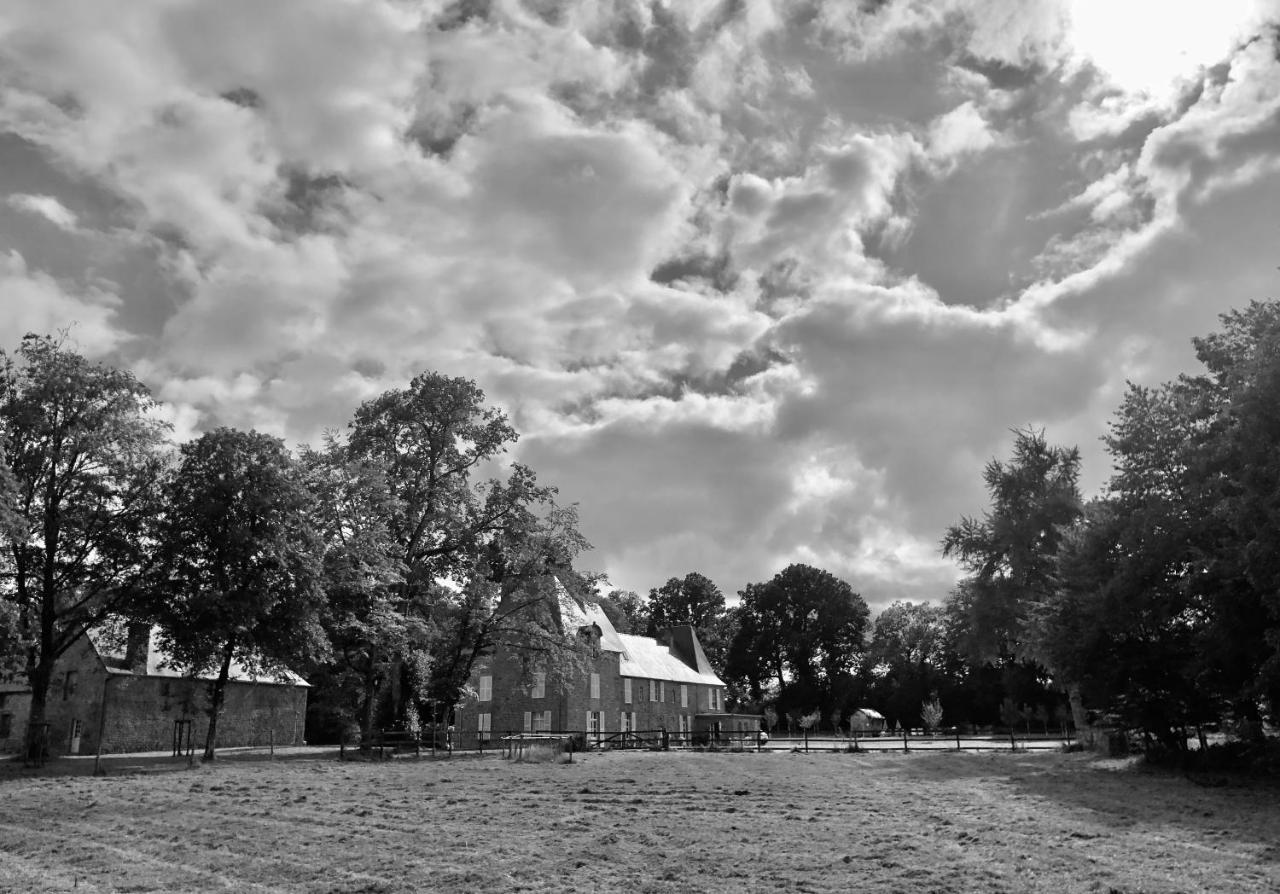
x: 241, y: 564
x: 804, y: 628
x: 82, y: 465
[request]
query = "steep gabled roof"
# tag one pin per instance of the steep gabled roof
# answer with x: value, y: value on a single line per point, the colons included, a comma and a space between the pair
x: 648, y: 658
x: 575, y: 614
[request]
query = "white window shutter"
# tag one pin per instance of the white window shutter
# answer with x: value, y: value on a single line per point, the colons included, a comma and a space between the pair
x: 528, y: 721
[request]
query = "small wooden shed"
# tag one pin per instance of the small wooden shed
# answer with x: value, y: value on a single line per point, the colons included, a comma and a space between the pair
x: 867, y: 722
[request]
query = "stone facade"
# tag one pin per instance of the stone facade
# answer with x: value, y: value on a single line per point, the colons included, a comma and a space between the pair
x: 630, y: 683
x: 136, y: 703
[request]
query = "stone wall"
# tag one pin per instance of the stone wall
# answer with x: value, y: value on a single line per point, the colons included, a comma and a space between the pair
x: 15, y: 705
x: 511, y: 698
x: 144, y: 714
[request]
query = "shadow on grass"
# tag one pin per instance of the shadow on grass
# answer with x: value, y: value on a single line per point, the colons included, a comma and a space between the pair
x: 12, y: 767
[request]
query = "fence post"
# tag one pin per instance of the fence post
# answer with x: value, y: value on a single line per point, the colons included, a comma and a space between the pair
x: 905, y: 748
x: 806, y: 740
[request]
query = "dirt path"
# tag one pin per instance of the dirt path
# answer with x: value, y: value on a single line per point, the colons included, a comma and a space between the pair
x: 644, y: 822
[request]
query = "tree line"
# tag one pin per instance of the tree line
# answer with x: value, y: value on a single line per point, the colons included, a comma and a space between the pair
x: 380, y: 563
x: 1153, y: 606
x: 385, y: 565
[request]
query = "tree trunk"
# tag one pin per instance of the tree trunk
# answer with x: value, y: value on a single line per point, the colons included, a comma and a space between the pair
x: 370, y: 697
x: 216, y: 695
x: 1084, y: 732
x: 39, y: 677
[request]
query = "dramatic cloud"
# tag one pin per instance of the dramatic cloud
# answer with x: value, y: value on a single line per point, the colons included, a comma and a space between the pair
x: 758, y: 282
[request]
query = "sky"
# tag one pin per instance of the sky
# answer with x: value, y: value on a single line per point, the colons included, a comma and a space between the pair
x: 758, y: 282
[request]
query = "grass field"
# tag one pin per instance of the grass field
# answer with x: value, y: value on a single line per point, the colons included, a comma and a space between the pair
x: 643, y: 822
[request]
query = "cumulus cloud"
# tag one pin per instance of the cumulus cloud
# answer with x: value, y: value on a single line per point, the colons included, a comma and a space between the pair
x: 698, y: 251
x: 47, y: 207
x: 34, y: 302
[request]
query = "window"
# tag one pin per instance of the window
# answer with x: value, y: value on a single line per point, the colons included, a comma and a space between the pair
x: 595, y: 685
x: 539, y: 685
x: 542, y: 721
x: 69, y: 685
x: 484, y: 726
x: 662, y: 690
x: 684, y: 695
x: 684, y: 724
x: 653, y: 690
x: 528, y: 721
x: 626, y: 690
x: 6, y: 725
x: 593, y: 723
x: 486, y: 688
x: 715, y: 699
x: 627, y: 722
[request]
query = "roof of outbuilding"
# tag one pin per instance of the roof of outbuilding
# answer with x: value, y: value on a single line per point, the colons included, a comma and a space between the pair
x: 646, y: 657
x: 160, y: 664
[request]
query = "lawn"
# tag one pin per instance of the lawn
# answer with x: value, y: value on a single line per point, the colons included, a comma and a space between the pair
x: 643, y: 822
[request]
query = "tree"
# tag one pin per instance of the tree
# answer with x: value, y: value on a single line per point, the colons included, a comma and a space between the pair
x: 462, y: 549
x: 83, y: 461
x: 1010, y: 552
x: 1243, y: 470
x: 910, y: 657
x: 626, y: 610
x: 364, y: 621
x: 241, y: 563
x: 694, y: 600
x: 805, y: 627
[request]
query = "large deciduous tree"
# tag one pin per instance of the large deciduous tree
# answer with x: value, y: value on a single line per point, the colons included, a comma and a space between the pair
x: 805, y: 628
x: 241, y: 563
x: 366, y: 622
x: 694, y: 600
x: 83, y: 461
x: 462, y: 547
x: 910, y: 660
x: 1010, y: 553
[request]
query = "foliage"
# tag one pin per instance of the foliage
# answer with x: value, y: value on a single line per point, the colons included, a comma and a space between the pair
x: 367, y: 624
x: 241, y: 562
x: 1010, y: 551
x: 911, y: 655
x: 473, y: 559
x: 694, y: 600
x: 1166, y: 605
x: 83, y: 461
x: 627, y: 610
x: 804, y: 628
x: 931, y: 715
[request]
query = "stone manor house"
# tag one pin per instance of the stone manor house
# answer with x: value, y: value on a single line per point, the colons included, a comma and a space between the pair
x: 631, y: 684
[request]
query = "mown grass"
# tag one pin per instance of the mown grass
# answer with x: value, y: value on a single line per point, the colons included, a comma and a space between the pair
x: 643, y: 822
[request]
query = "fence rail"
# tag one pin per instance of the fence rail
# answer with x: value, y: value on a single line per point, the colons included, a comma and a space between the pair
x: 391, y: 742
x: 951, y: 739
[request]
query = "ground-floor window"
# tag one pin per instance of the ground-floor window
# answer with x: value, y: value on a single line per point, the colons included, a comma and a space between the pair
x: 484, y: 726
x: 627, y: 722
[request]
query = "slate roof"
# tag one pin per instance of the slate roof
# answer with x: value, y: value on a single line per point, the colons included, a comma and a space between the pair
x: 159, y: 664
x: 648, y: 658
